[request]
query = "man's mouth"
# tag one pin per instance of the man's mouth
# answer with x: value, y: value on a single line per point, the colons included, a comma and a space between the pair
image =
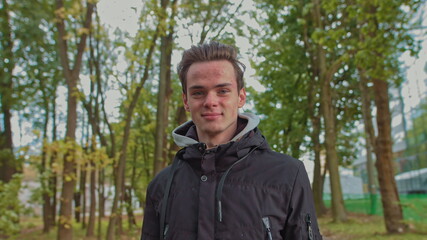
x: 211, y: 116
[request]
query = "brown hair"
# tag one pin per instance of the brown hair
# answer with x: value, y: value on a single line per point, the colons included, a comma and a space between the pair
x: 210, y: 52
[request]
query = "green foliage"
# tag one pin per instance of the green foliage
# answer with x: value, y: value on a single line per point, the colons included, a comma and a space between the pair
x: 285, y: 68
x: 384, y: 30
x: 416, y: 139
x: 361, y: 226
x: 33, y: 224
x: 348, y: 34
x: 212, y: 20
x: 10, y: 206
x: 284, y: 72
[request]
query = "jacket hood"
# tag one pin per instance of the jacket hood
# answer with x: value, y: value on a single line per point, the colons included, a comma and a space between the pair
x: 185, y: 135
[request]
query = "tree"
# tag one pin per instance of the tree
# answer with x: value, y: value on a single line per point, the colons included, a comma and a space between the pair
x: 305, y: 84
x: 32, y: 86
x: 211, y: 20
x: 9, y: 165
x: 384, y: 33
x: 165, y: 91
x: 150, y: 43
x: 71, y: 75
x: 326, y: 74
x: 286, y: 76
x: 366, y: 95
x: 416, y: 139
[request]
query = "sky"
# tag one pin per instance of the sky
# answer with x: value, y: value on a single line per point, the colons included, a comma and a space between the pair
x: 123, y: 14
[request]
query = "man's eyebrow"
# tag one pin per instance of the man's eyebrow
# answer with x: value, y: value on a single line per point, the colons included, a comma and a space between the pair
x: 196, y: 87
x: 223, y: 85
x: 216, y: 86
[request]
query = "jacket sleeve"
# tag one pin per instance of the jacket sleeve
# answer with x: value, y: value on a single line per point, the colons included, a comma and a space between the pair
x: 302, y: 221
x: 150, y: 224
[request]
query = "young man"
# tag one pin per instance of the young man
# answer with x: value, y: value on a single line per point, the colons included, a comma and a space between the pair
x: 225, y: 183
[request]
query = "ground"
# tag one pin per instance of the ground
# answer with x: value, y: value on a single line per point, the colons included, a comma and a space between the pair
x: 359, y: 226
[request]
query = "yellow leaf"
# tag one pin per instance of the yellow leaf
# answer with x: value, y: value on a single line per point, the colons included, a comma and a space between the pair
x: 82, y: 31
x: 68, y: 178
x: 66, y: 37
x: 60, y: 13
x: 36, y: 132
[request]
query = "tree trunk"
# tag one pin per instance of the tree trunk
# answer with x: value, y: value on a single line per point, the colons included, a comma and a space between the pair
x: 47, y: 204
x: 68, y: 182
x: 120, y: 170
x: 369, y: 138
x: 326, y: 75
x: 83, y: 195
x: 393, y: 216
x: 129, y: 208
x: 80, y: 197
x: 101, y: 199
x: 92, y: 208
x: 163, y: 95
x: 101, y: 193
x: 337, y: 205
x: 71, y: 75
x: 317, y: 176
x: 128, y: 191
x: 46, y: 196
x: 8, y: 163
x: 53, y: 179
x: 77, y: 205
x: 93, y: 117
x: 315, y: 119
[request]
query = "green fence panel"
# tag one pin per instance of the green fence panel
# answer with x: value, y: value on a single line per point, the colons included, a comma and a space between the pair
x: 414, y: 206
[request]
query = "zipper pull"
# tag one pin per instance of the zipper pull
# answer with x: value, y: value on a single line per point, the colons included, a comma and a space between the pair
x: 266, y: 222
x: 219, y: 211
x: 202, y: 148
x: 166, y: 231
x: 309, y: 229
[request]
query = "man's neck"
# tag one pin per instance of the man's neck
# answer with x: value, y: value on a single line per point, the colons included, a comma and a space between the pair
x: 214, y: 140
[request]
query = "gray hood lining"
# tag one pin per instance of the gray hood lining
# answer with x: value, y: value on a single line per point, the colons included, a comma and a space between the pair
x: 180, y: 138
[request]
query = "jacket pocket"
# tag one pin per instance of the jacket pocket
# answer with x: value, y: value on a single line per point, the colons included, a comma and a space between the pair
x: 308, y: 225
x: 267, y: 227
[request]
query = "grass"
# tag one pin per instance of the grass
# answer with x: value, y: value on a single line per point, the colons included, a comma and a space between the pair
x: 32, y: 230
x: 414, y: 206
x: 359, y: 226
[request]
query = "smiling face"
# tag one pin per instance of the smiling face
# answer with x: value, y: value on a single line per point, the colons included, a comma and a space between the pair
x: 213, y: 100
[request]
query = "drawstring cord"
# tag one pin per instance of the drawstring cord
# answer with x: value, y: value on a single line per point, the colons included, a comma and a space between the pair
x: 169, y: 184
x: 174, y: 167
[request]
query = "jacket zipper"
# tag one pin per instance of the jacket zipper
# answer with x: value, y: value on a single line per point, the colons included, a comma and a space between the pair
x: 166, y: 231
x: 222, y: 180
x: 309, y: 229
x: 266, y: 222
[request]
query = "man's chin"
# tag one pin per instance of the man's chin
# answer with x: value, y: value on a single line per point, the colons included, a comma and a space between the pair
x: 212, y: 130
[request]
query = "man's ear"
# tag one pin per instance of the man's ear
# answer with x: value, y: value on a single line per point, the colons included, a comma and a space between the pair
x: 242, y: 97
x: 185, y: 101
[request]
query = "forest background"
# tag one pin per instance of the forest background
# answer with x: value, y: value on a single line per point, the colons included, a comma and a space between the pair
x: 88, y: 107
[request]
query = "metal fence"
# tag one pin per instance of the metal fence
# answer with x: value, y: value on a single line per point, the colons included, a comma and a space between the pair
x: 414, y: 206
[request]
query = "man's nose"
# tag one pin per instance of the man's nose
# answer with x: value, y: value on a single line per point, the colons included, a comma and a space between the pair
x: 211, y: 100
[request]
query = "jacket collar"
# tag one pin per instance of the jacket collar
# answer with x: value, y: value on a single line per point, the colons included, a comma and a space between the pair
x: 222, y: 156
x: 186, y: 134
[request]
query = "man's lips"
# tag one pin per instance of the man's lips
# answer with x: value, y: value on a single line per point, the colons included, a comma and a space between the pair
x: 211, y: 115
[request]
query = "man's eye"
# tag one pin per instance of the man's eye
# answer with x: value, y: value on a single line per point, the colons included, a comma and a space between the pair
x: 197, y: 93
x: 223, y: 91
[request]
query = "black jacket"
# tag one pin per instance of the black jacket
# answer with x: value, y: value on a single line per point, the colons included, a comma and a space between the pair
x: 238, y: 190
